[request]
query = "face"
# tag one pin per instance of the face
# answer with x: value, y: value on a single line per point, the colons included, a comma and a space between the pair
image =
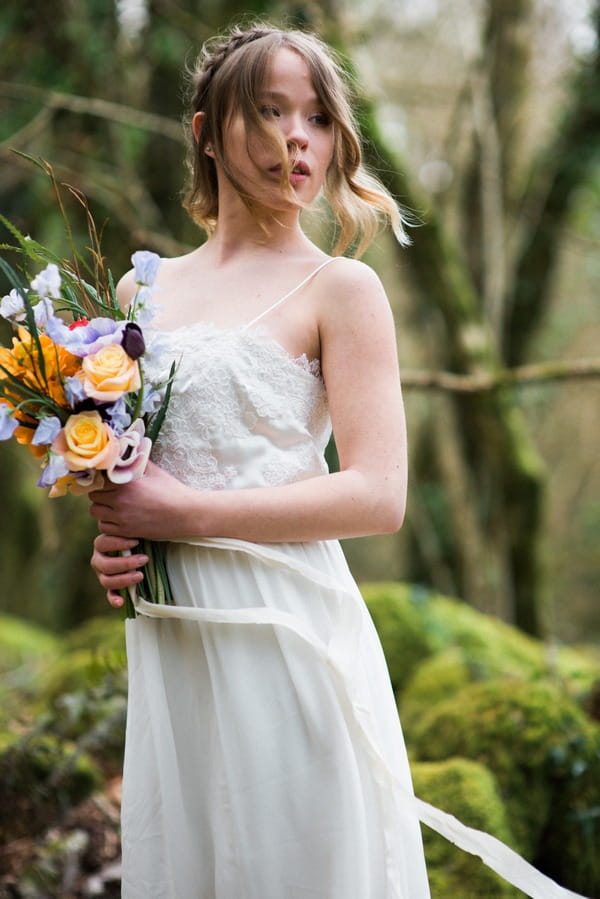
x: 289, y: 103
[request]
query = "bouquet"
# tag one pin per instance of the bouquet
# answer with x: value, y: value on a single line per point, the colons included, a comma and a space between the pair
x: 72, y: 385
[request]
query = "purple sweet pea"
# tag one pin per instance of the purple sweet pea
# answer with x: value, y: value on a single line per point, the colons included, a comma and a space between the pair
x: 74, y: 391
x: 55, y: 469
x: 133, y: 341
x: 87, y: 339
x: 43, y: 312
x: 146, y: 266
x: 46, y: 431
x: 8, y: 424
x: 118, y: 416
x: 47, y: 282
x: 151, y: 400
x: 134, y: 452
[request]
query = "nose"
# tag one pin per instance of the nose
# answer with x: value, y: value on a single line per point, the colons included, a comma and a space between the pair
x: 296, y: 133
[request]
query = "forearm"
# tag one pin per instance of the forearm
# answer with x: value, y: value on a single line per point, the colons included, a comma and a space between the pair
x: 343, y: 504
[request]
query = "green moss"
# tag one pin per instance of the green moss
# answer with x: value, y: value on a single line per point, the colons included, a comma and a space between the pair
x: 545, y: 756
x: 413, y: 624
x: 467, y: 790
x: 397, y: 613
x: 21, y: 642
x: 41, y: 778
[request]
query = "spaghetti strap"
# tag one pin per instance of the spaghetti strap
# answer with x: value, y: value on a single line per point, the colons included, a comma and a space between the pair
x: 290, y: 293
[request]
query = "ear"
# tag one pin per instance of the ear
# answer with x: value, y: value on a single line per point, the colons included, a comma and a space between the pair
x: 197, y: 126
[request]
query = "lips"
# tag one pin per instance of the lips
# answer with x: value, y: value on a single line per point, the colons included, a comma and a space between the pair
x: 299, y: 168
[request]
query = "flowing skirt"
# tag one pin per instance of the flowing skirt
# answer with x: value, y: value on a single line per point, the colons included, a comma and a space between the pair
x: 264, y: 756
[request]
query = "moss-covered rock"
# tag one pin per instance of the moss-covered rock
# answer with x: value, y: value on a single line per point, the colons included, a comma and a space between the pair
x: 468, y: 791
x: 41, y: 777
x: 415, y: 624
x: 545, y: 755
x: 443, y: 674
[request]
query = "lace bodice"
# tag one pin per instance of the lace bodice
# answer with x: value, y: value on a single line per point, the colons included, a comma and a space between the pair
x: 243, y: 412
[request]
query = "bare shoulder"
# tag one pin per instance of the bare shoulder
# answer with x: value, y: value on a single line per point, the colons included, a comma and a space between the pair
x: 350, y: 290
x: 126, y: 288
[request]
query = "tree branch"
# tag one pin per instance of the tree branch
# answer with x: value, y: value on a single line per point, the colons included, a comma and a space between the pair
x: 568, y: 370
x: 104, y: 109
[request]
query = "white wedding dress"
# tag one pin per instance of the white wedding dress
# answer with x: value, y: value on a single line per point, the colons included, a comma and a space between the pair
x: 264, y: 756
x: 263, y: 745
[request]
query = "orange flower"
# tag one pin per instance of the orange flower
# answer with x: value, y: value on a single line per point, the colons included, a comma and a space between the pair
x: 23, y: 362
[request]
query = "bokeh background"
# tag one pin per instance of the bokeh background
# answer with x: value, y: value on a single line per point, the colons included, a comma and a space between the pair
x: 483, y: 118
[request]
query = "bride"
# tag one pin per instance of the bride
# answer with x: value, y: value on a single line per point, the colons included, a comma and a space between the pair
x: 264, y: 757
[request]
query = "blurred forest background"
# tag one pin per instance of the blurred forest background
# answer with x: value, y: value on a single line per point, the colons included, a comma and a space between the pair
x: 484, y: 118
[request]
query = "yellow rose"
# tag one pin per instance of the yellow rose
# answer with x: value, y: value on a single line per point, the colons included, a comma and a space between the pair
x: 87, y: 442
x: 110, y: 373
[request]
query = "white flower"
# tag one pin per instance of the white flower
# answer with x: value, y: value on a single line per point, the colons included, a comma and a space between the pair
x: 13, y: 306
x: 146, y: 267
x: 42, y: 312
x: 47, y: 282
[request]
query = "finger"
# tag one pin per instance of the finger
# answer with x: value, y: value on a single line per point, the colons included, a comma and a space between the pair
x: 100, y: 510
x: 112, y: 565
x: 115, y: 582
x: 106, y: 543
x: 115, y: 599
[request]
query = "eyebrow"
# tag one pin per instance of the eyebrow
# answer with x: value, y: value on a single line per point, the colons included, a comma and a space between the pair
x: 278, y: 95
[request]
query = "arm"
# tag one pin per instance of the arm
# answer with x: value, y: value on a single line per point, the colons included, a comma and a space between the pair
x: 359, y: 362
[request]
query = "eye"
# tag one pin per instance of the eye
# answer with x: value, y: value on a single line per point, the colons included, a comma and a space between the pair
x: 321, y: 119
x: 269, y: 112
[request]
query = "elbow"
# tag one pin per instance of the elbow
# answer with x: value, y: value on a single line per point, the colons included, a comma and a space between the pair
x: 389, y: 507
x: 391, y: 516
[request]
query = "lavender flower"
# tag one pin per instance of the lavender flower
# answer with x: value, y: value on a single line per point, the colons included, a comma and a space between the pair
x: 146, y: 266
x: 87, y: 339
x: 55, y: 469
x: 118, y: 416
x: 8, y: 423
x: 47, y: 282
x: 47, y: 430
x: 74, y: 391
x: 43, y: 312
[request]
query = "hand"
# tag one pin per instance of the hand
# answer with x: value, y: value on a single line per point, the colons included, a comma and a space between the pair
x: 116, y: 572
x: 151, y: 506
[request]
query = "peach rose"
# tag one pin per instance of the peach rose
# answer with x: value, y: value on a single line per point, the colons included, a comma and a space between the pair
x: 87, y: 442
x: 110, y: 373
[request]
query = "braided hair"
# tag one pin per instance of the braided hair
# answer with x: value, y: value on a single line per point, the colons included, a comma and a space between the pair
x: 229, y: 74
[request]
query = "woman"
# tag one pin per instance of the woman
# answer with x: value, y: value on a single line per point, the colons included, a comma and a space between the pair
x: 263, y: 746
x: 264, y: 757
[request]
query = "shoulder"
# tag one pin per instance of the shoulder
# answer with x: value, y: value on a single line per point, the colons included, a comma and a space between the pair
x: 350, y: 290
x: 126, y: 288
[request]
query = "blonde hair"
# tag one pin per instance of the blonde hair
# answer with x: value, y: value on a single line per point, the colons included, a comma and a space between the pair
x: 230, y: 72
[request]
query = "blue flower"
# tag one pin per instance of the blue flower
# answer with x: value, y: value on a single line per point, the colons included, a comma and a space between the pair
x: 48, y: 428
x: 8, y: 424
x: 146, y: 266
x: 88, y: 339
x: 118, y: 416
x: 55, y: 469
x: 74, y: 391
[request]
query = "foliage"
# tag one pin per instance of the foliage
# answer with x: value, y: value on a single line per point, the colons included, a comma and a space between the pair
x: 41, y: 777
x: 467, y: 790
